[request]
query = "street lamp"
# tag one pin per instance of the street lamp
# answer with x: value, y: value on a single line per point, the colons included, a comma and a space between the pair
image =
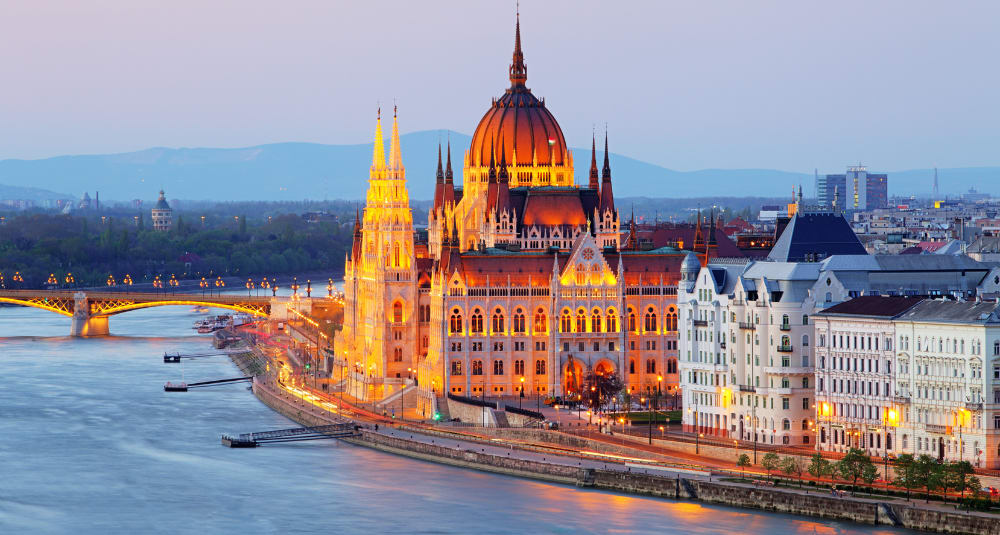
x: 52, y: 279
x: 111, y: 281
x: 203, y: 284
x: 127, y: 281
x: 69, y: 279
x: 219, y: 284
x: 250, y: 286
x: 522, y: 393
x: 329, y: 288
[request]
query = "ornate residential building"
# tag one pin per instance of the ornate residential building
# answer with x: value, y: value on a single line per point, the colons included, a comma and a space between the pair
x: 526, y: 280
x: 162, y: 214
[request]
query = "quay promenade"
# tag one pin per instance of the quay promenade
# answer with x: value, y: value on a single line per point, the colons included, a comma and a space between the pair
x: 598, y: 462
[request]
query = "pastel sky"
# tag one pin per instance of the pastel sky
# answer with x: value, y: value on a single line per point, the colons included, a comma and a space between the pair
x: 789, y: 85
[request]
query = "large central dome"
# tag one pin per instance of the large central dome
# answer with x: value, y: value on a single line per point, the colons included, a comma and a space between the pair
x: 518, y: 122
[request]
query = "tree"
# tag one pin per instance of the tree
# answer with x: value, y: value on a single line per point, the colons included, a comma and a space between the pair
x: 819, y: 467
x: 928, y: 474
x: 852, y: 467
x: 907, y: 476
x: 770, y: 462
x: 869, y: 474
x: 743, y: 462
x: 958, y: 477
x: 792, y: 466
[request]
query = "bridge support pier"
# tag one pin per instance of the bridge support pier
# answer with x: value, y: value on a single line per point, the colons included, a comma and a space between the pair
x: 83, y: 323
x: 93, y: 326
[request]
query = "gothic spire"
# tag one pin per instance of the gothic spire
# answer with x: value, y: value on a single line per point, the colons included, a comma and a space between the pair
x: 439, y: 184
x: 593, y: 162
x: 395, y: 158
x: 448, y: 176
x: 711, y: 231
x: 518, y: 70
x: 606, y: 172
x: 607, y: 193
x: 378, y: 154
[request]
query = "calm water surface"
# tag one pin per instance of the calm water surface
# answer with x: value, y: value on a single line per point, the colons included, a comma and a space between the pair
x: 90, y: 443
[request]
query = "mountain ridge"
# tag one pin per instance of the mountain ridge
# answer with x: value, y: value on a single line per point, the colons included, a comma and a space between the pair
x: 306, y: 170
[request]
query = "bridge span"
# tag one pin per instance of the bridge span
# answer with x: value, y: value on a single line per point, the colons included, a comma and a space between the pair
x: 90, y: 310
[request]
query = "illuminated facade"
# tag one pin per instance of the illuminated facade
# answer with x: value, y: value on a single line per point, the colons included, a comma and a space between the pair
x: 526, y: 280
x: 916, y: 376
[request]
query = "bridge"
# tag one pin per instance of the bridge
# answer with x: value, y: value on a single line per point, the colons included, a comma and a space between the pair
x: 90, y: 310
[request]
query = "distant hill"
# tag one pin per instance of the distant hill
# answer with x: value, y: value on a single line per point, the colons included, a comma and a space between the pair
x: 295, y: 171
x: 31, y: 194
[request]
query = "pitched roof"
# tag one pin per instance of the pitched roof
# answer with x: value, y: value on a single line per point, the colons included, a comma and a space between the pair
x: 814, y: 236
x: 873, y: 307
x: 941, y: 311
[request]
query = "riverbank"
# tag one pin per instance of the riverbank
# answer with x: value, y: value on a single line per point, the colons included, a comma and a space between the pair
x: 700, y: 488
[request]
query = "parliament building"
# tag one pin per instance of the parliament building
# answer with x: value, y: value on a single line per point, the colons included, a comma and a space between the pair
x: 526, y: 278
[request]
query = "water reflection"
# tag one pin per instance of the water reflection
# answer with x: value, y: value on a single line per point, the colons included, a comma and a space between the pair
x: 90, y: 443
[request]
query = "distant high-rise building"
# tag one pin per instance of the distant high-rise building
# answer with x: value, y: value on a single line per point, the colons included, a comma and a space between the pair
x: 826, y: 186
x: 936, y: 192
x: 859, y: 189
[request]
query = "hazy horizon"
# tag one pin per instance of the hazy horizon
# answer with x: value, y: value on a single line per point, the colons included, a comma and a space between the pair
x: 724, y: 85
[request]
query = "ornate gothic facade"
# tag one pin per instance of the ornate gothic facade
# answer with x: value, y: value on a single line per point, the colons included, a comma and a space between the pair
x: 526, y: 280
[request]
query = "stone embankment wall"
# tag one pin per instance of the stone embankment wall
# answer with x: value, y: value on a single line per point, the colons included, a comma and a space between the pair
x: 768, y: 499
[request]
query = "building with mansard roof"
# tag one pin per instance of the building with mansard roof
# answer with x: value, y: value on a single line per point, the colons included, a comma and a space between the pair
x: 526, y: 280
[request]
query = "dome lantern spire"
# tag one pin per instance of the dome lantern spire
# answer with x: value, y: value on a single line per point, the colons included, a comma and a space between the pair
x: 518, y: 70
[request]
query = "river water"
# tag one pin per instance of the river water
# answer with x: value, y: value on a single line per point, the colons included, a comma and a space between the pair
x: 90, y: 443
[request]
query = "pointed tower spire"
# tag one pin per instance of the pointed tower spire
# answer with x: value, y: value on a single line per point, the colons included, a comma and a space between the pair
x: 395, y: 158
x: 711, y: 231
x: 518, y: 70
x: 491, y: 186
x: 699, y: 240
x: 593, y: 162
x: 378, y: 154
x: 607, y: 193
x: 503, y: 186
x: 449, y: 180
x: 606, y: 172
x: 439, y: 184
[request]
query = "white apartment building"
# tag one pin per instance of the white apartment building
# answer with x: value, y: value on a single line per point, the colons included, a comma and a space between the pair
x: 747, y: 343
x: 910, y: 376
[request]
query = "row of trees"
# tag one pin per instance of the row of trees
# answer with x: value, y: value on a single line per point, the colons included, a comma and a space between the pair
x: 91, y: 248
x: 923, y: 472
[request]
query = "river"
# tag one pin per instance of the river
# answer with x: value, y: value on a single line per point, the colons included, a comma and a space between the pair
x: 90, y: 443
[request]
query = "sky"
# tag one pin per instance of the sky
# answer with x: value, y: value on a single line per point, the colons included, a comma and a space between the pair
x: 792, y: 85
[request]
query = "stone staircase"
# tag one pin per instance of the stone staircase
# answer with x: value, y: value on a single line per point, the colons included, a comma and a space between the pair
x: 442, y: 409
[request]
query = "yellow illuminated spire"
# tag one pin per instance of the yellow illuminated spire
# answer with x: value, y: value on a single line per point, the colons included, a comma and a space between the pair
x: 395, y: 157
x: 378, y: 154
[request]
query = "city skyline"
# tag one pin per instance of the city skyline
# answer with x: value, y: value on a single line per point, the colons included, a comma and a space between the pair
x: 796, y: 94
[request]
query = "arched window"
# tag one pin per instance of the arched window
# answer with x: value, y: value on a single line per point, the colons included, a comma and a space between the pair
x: 650, y: 320
x: 612, y: 321
x: 518, y: 321
x: 631, y: 366
x: 541, y: 322
x: 595, y: 321
x: 540, y: 367
x: 397, y: 354
x: 518, y: 367
x: 395, y: 255
x: 456, y: 367
x: 477, y: 321
x: 671, y: 319
x: 632, y: 327
x: 565, y: 323
x: 786, y: 424
x: 498, y: 367
x: 455, y: 323
x: 477, y: 367
x: 498, y: 321
x: 671, y: 366
x: 397, y: 312
x: 785, y: 322
x: 595, y: 275
x: 785, y: 341
x: 581, y: 275
x: 650, y: 365
x: 581, y: 321
x: 805, y: 340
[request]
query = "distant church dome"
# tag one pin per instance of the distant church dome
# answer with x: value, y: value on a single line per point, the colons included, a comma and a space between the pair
x: 161, y: 203
x: 519, y: 122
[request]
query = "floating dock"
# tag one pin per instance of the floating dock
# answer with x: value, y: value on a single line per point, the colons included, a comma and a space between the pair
x: 319, y: 432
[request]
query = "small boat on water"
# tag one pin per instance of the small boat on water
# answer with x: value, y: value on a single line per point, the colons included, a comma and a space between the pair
x: 200, y: 310
x: 175, y: 387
